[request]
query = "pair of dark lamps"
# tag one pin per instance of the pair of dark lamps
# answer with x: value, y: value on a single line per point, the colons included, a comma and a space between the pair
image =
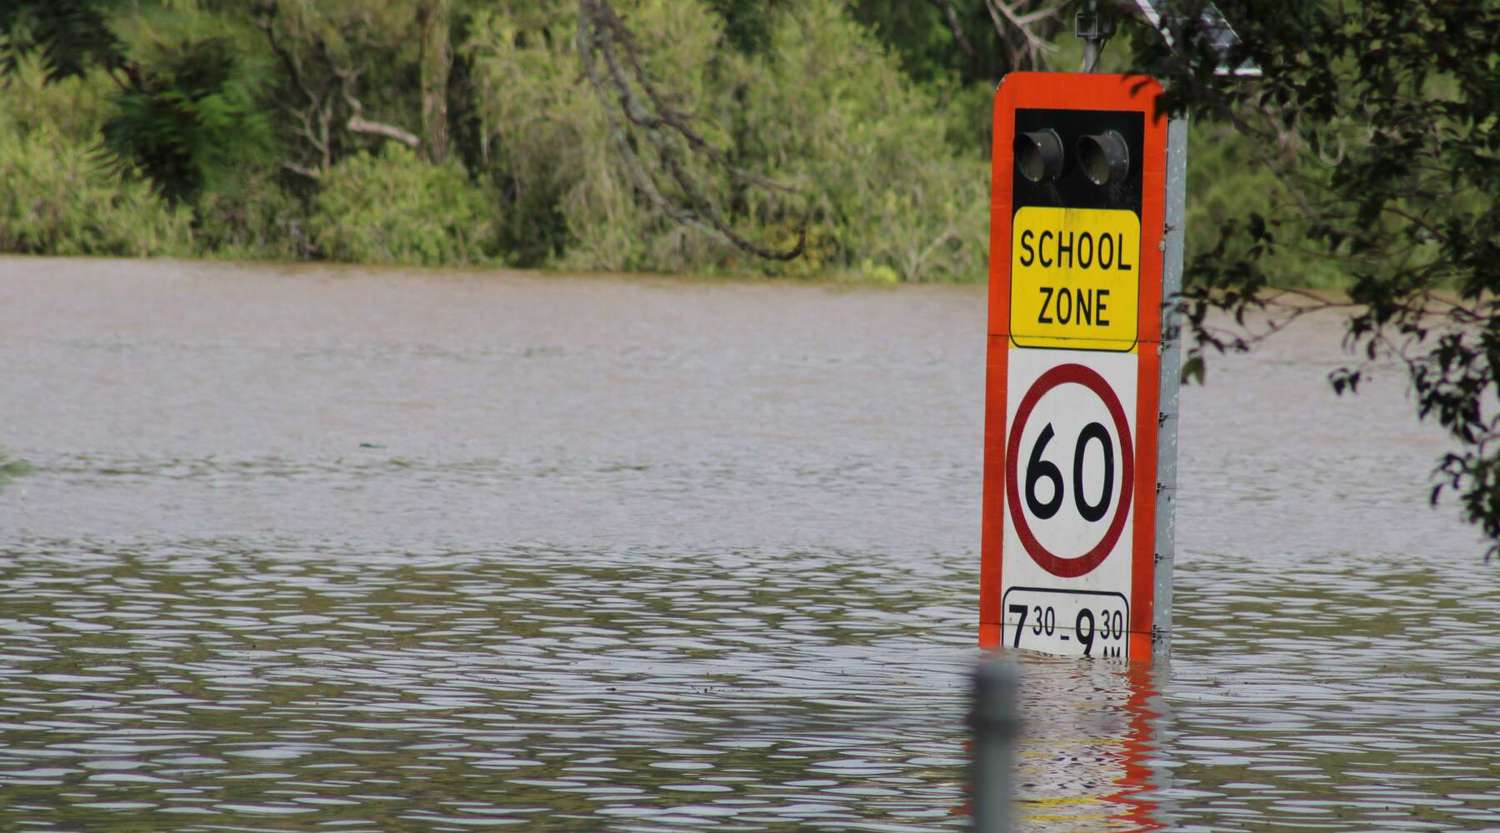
x: 1103, y: 157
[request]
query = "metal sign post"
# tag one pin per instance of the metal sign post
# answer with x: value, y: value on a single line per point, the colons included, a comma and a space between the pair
x: 995, y: 723
x: 1080, y: 434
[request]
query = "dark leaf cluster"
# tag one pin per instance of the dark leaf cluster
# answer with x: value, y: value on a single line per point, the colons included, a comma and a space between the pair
x: 1386, y: 115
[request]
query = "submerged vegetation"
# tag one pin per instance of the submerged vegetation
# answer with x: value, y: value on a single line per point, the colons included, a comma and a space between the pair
x: 12, y: 467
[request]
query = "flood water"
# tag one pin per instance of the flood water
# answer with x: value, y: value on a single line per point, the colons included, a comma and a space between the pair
x: 334, y: 549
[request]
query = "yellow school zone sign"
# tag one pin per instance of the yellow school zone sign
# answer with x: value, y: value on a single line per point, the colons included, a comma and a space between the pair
x: 1074, y: 278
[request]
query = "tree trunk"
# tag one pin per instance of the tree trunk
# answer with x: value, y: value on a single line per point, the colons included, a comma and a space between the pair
x: 437, y: 62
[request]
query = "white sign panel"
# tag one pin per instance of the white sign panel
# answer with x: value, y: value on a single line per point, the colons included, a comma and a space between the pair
x: 1069, y: 477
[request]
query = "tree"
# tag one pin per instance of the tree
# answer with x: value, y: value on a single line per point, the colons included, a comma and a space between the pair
x: 73, y: 34
x: 433, y: 20
x: 190, y: 116
x: 185, y: 107
x: 1382, y: 119
x: 664, y: 151
x: 976, y: 41
x: 330, y: 53
x: 667, y: 152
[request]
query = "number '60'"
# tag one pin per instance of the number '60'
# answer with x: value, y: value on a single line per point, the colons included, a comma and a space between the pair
x: 1038, y: 469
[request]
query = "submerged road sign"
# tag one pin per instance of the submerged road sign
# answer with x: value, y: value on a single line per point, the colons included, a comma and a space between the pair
x: 1075, y: 380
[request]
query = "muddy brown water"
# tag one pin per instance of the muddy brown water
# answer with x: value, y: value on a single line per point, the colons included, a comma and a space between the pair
x: 355, y: 549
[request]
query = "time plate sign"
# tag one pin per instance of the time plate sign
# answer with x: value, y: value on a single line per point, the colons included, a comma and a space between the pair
x: 1071, y: 622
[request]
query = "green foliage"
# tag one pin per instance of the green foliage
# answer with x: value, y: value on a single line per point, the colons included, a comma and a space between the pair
x: 64, y: 193
x: 1233, y: 178
x: 1379, y: 122
x: 577, y: 179
x: 191, y: 116
x: 252, y: 218
x: 746, y: 23
x: 920, y: 33
x: 337, y: 61
x: 395, y: 208
x: 67, y: 198
x: 834, y: 117
x: 541, y: 128
x: 795, y: 122
x: 857, y: 150
x: 620, y: 213
x: 75, y: 105
x: 74, y: 35
x: 853, y: 131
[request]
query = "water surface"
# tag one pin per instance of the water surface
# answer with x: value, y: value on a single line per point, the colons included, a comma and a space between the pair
x: 346, y: 549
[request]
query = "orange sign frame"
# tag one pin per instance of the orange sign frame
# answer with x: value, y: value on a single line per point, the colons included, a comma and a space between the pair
x: 1071, y: 91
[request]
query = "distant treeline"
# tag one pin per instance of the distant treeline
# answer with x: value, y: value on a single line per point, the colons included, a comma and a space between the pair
x: 695, y: 136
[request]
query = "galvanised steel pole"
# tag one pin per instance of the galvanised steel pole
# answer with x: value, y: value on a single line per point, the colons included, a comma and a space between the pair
x: 996, y: 720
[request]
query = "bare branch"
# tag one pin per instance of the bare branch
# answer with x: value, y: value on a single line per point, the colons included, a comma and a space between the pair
x: 1019, y: 30
x: 358, y: 124
x: 329, y: 90
x: 310, y: 173
x: 288, y: 61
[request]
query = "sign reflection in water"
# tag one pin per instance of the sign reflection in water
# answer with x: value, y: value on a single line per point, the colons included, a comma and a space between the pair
x: 1088, y: 744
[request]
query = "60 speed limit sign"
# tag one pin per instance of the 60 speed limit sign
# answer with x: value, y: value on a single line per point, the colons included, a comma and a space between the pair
x: 1073, y: 418
x: 1069, y: 538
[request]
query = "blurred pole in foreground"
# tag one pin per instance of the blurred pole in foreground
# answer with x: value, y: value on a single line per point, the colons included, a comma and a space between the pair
x: 996, y: 720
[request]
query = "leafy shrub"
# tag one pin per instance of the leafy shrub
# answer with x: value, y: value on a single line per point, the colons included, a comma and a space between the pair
x: 825, y: 110
x: 395, y: 208
x: 541, y: 127
x: 64, y: 197
x: 1230, y: 180
x: 63, y: 193
x: 614, y: 215
x: 191, y: 115
x: 75, y: 106
x: 882, y: 175
x: 252, y: 219
x: 834, y: 116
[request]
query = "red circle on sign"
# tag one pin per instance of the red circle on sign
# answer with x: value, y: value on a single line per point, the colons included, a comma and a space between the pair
x: 1057, y: 565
